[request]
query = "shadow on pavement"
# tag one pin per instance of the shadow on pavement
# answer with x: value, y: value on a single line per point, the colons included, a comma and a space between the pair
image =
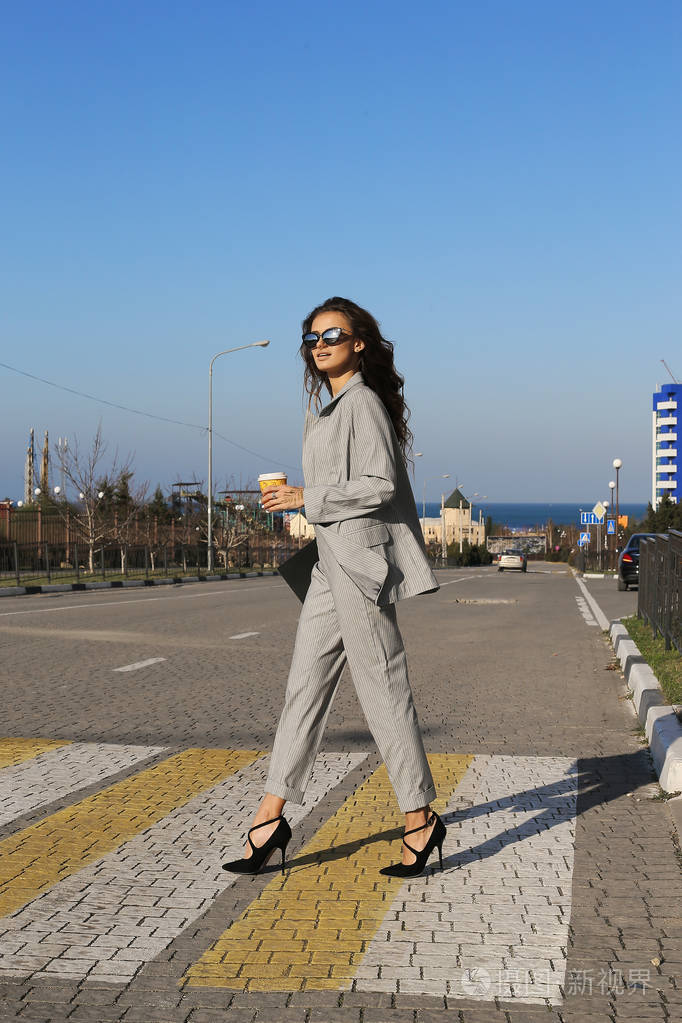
x: 599, y: 780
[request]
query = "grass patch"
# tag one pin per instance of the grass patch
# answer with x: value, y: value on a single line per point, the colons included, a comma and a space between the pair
x: 113, y: 576
x: 665, y: 664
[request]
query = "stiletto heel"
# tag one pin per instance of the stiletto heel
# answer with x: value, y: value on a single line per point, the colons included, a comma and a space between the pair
x: 436, y: 839
x: 260, y: 854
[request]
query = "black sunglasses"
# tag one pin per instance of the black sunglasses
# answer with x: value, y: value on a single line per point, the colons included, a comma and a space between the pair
x: 332, y: 336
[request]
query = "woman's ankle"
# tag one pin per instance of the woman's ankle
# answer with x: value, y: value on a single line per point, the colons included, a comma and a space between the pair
x: 417, y: 818
x: 270, y: 807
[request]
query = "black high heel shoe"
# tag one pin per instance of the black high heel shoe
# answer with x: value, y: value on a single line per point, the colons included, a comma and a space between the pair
x: 260, y: 855
x: 436, y: 840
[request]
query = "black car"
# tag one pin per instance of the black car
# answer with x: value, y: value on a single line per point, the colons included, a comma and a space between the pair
x: 628, y: 561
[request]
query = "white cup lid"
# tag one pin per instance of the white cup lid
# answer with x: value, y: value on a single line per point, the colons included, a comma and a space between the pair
x: 271, y: 475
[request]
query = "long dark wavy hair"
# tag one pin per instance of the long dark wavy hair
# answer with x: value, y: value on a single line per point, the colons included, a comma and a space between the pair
x: 376, y: 365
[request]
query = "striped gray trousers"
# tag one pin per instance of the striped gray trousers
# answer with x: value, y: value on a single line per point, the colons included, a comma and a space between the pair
x: 338, y: 623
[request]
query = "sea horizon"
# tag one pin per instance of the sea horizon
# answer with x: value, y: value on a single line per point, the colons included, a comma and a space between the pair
x: 529, y: 514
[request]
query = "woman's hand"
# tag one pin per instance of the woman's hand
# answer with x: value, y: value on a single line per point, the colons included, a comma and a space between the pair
x: 282, y: 498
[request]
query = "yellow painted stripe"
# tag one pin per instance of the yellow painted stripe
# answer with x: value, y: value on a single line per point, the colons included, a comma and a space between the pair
x: 311, y: 928
x: 35, y: 859
x: 15, y: 751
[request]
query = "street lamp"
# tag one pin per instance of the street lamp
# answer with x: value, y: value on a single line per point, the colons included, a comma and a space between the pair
x: 239, y: 348
x: 617, y: 465
x: 443, y: 476
x: 612, y: 487
x: 461, y: 514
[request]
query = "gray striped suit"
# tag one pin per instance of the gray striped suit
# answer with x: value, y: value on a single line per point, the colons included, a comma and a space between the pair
x: 371, y: 554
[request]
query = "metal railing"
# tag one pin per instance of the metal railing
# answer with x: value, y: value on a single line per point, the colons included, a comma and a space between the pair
x: 40, y: 563
x: 660, y: 586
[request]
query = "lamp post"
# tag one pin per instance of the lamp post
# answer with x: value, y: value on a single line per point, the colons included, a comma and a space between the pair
x: 254, y: 344
x: 443, y: 476
x: 611, y: 487
x: 617, y: 465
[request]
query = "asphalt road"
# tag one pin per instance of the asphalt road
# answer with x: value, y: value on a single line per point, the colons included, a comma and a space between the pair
x: 562, y: 875
x: 486, y: 655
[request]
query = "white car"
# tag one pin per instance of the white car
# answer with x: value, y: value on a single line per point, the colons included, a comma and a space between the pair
x: 512, y: 558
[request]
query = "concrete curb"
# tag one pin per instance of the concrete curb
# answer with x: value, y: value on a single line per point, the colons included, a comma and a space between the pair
x: 118, y: 584
x: 661, y: 724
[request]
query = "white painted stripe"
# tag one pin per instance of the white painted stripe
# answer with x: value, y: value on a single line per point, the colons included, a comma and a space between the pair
x: 463, y: 579
x: 502, y: 904
x: 140, y: 897
x: 585, y: 612
x: 596, y: 610
x: 141, y: 664
x: 58, y: 773
x: 244, y: 635
x: 144, y: 600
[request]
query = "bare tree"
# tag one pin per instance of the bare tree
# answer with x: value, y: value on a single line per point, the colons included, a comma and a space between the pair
x: 85, y: 471
x: 127, y: 502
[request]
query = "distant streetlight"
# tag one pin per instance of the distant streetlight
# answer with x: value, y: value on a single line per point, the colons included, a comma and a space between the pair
x: 239, y: 348
x: 443, y: 476
x: 612, y: 487
x: 471, y: 519
x: 617, y: 465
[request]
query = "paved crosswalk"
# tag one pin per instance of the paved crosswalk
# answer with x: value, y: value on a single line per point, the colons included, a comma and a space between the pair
x: 100, y: 888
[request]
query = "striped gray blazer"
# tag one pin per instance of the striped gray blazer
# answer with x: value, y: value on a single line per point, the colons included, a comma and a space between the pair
x: 358, y: 496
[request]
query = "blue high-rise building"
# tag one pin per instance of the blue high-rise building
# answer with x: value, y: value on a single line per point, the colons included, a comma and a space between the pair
x: 666, y: 477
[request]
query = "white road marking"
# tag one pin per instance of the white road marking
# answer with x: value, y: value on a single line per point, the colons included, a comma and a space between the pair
x: 137, y: 899
x: 508, y: 859
x: 141, y: 664
x: 463, y: 579
x: 602, y: 620
x: 139, y: 600
x: 244, y: 635
x: 585, y: 612
x: 57, y: 773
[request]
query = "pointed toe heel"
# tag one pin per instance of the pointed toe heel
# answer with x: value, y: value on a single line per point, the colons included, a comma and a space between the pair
x: 261, y: 854
x: 436, y: 839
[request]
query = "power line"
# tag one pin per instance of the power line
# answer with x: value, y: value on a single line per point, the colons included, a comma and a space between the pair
x: 140, y: 412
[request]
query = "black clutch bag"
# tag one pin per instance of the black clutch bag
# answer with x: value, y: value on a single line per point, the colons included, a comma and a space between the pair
x: 296, y: 570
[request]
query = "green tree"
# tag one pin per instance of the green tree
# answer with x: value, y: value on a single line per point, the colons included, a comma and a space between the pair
x: 667, y: 516
x: 158, y: 506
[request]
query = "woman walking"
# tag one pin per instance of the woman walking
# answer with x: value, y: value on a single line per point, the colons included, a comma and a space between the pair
x: 371, y: 553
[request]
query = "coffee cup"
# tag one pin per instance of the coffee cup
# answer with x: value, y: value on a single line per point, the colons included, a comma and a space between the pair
x: 272, y: 479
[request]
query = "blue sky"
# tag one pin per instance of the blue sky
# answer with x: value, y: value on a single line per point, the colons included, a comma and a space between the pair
x: 498, y: 183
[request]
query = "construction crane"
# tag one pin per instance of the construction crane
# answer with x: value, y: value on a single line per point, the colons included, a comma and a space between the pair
x: 670, y: 371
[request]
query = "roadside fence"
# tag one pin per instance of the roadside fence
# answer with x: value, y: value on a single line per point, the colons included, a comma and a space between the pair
x: 37, y: 563
x: 660, y: 586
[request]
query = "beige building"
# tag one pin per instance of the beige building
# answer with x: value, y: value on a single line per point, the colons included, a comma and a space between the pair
x: 299, y: 526
x: 459, y: 525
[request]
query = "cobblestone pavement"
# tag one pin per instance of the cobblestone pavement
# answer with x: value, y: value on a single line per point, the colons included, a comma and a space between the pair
x: 122, y: 793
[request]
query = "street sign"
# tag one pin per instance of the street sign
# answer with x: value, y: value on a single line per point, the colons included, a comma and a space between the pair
x: 610, y: 526
x: 599, y: 510
x: 590, y: 519
x: 584, y: 538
